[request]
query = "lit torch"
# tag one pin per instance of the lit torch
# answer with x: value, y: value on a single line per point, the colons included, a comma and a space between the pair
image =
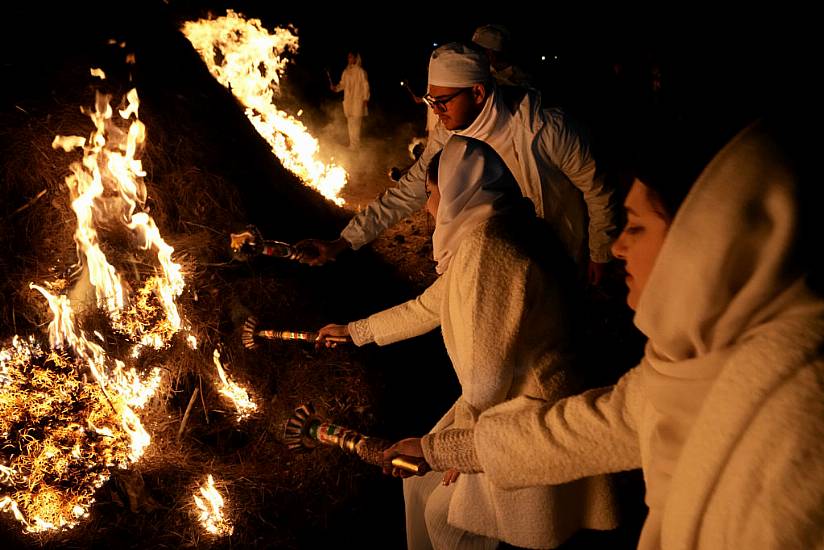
x: 250, y: 332
x: 250, y: 244
x: 305, y: 430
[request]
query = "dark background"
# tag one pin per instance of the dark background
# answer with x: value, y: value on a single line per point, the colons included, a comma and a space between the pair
x: 715, y: 63
x: 717, y: 70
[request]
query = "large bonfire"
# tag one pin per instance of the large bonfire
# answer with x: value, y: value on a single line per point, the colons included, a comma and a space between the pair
x: 67, y: 414
x: 249, y: 60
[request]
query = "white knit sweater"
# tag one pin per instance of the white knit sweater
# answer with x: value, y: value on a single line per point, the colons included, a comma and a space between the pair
x: 505, y: 329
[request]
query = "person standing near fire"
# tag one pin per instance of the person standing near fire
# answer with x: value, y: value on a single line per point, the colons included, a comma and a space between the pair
x: 355, y: 87
x: 548, y: 156
x: 505, y: 302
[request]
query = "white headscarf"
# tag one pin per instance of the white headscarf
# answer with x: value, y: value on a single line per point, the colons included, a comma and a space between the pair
x: 474, y: 185
x: 493, y: 37
x: 454, y: 65
x: 728, y: 270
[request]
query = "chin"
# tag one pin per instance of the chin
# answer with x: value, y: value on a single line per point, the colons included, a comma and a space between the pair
x: 632, y: 299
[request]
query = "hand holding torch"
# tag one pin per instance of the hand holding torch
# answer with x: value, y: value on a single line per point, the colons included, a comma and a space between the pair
x: 305, y: 429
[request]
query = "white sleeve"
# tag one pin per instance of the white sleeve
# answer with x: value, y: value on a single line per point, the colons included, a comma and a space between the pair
x: 409, y: 319
x: 571, y: 153
x: 397, y: 202
x: 526, y: 442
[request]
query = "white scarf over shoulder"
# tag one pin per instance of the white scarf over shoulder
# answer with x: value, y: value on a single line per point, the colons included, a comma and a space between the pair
x: 474, y: 185
x: 727, y: 273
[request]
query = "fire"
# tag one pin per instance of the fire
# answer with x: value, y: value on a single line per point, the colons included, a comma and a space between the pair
x: 61, y: 436
x: 210, y: 505
x: 244, y: 405
x: 243, y: 56
x: 63, y: 431
x: 106, y: 187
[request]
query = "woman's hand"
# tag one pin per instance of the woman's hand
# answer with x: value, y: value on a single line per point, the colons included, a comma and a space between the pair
x: 410, y: 446
x: 332, y: 335
x: 450, y: 476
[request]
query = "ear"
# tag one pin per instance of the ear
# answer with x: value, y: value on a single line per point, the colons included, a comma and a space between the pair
x: 479, y: 92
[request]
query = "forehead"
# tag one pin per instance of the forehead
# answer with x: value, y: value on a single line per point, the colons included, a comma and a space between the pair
x: 638, y: 199
x: 437, y: 91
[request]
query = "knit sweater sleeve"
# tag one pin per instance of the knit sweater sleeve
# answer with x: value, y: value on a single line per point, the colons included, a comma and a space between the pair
x: 412, y: 318
x: 526, y: 442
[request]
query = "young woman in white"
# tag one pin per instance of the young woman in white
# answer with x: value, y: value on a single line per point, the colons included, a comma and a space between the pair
x: 725, y: 413
x: 501, y: 302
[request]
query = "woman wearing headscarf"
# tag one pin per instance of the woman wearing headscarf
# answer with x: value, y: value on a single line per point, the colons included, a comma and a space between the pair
x: 355, y: 87
x: 725, y: 413
x: 502, y: 304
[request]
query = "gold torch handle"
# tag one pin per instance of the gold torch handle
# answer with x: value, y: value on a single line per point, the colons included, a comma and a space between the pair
x: 413, y: 464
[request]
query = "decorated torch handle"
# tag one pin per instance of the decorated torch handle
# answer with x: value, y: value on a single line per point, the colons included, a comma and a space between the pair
x: 305, y: 430
x: 296, y: 335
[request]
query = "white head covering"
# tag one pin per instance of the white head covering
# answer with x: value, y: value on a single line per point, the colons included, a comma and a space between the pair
x: 493, y: 37
x: 728, y: 270
x: 474, y: 185
x: 455, y: 65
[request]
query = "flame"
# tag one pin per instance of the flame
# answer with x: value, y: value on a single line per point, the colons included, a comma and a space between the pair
x: 62, y: 432
x: 244, y: 405
x: 243, y: 56
x: 211, y: 516
x: 106, y: 187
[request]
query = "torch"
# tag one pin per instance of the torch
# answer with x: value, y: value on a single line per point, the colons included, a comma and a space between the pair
x: 250, y: 332
x: 305, y: 429
x: 250, y: 244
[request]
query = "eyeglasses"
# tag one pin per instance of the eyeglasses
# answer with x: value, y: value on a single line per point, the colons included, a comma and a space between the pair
x: 439, y: 103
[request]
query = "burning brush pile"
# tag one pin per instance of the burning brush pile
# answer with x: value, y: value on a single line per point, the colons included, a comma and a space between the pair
x: 129, y: 406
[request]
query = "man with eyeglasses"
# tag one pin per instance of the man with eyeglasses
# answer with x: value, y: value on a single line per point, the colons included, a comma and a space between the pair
x: 548, y: 157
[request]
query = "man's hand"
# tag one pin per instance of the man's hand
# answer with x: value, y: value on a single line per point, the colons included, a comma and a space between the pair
x: 318, y: 252
x: 595, y: 272
x: 332, y: 331
x: 410, y: 446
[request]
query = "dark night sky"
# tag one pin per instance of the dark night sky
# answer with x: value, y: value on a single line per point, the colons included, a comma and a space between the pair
x: 711, y: 61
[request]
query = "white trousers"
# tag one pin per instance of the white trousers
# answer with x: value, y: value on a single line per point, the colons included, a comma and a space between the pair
x: 427, y: 509
x: 354, y: 123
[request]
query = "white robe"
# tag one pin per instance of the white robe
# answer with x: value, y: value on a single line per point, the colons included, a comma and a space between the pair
x: 726, y: 411
x: 555, y: 170
x: 504, y: 327
x: 355, y: 87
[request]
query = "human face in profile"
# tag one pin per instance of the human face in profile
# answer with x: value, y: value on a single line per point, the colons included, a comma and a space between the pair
x: 642, y: 238
x: 456, y: 108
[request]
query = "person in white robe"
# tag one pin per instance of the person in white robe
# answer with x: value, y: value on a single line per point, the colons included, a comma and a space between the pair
x: 545, y: 151
x: 354, y: 84
x: 725, y: 413
x: 502, y: 303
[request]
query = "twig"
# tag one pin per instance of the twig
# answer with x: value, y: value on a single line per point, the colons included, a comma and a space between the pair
x: 205, y: 410
x: 186, y: 414
x: 31, y: 202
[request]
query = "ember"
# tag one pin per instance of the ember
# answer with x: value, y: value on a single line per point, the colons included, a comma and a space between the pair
x: 62, y: 434
x: 63, y: 430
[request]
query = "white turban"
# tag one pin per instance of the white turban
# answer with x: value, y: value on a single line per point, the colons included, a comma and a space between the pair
x: 493, y: 37
x: 457, y: 66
